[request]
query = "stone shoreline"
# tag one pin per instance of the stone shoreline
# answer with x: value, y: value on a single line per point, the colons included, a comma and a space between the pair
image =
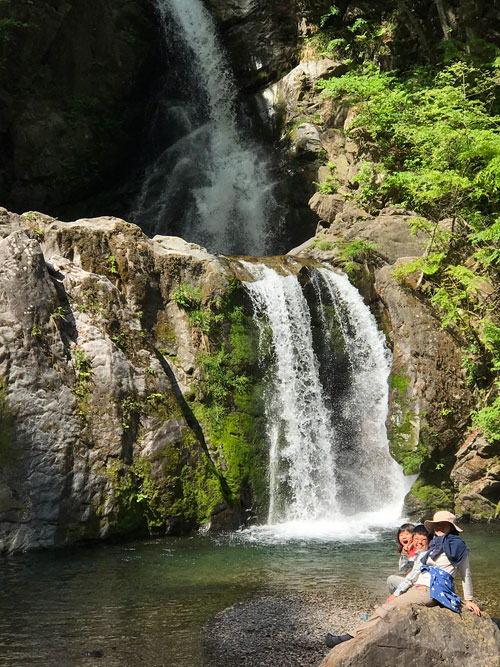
x: 288, y: 630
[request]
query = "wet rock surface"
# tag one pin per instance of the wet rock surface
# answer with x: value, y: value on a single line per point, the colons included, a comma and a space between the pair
x: 285, y: 630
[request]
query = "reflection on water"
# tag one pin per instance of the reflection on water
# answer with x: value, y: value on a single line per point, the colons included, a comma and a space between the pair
x: 144, y: 603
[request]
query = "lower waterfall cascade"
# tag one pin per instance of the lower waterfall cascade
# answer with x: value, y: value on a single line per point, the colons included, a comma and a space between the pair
x: 326, y: 405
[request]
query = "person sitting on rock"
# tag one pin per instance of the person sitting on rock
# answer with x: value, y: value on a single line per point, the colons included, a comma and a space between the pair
x: 420, y: 542
x: 406, y: 555
x: 447, y: 555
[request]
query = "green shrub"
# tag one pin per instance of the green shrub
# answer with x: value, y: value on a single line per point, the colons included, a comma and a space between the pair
x: 187, y: 296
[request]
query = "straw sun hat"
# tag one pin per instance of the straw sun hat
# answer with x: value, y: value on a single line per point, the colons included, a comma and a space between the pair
x: 439, y: 517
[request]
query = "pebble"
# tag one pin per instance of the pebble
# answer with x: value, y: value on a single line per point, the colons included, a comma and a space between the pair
x: 286, y: 630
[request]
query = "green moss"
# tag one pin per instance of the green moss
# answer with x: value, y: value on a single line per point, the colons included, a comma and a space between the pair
x: 235, y: 440
x: 435, y: 497
x: 164, y: 331
x: 85, y: 531
x: 410, y: 459
x: 179, y: 481
x: 405, y: 448
x: 83, y: 384
x: 162, y: 405
x: 128, y: 515
x: 399, y: 382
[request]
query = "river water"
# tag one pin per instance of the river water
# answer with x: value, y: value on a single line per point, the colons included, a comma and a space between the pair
x: 143, y: 604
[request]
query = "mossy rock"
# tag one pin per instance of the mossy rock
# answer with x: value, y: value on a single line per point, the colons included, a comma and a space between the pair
x: 425, y: 499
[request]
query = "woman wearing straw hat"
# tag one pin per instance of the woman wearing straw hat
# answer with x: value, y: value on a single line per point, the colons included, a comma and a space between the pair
x: 447, y: 555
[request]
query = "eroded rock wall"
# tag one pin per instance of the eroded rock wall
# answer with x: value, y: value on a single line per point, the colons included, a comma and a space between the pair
x: 115, y: 414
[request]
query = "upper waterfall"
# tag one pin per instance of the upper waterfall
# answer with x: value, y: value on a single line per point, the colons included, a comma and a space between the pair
x: 210, y: 183
x: 326, y: 404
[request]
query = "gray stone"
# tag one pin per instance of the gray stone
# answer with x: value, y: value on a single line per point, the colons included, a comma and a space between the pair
x: 476, y: 476
x: 327, y: 206
x: 305, y: 140
x: 84, y: 391
x: 421, y: 636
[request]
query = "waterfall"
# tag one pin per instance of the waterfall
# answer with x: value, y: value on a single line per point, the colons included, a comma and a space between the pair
x: 209, y: 184
x: 301, y: 452
x: 326, y: 404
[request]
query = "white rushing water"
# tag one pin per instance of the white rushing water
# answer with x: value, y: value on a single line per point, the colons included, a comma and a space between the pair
x: 229, y: 186
x: 330, y: 472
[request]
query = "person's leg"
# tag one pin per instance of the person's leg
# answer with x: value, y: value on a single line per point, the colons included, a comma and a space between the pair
x: 393, y: 582
x: 415, y: 595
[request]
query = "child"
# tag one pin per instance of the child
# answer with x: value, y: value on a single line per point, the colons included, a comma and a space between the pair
x: 420, y: 542
x: 406, y: 555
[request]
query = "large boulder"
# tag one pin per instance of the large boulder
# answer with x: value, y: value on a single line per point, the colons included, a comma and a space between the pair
x: 420, y: 637
x: 106, y: 413
x: 476, y: 476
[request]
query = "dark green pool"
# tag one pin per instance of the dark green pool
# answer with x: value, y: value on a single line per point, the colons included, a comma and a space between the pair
x: 142, y: 604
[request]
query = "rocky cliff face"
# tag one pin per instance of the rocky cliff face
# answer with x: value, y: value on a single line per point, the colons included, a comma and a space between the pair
x: 430, y: 398
x: 73, y: 77
x: 263, y: 38
x: 115, y: 408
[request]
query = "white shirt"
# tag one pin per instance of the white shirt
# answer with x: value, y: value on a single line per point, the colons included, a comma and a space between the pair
x: 424, y: 578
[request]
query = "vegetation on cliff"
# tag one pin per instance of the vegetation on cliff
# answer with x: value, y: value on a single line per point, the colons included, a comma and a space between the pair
x: 435, y: 130
x: 421, y: 125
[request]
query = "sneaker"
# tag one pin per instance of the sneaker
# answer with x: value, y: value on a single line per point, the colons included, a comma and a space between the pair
x: 333, y: 640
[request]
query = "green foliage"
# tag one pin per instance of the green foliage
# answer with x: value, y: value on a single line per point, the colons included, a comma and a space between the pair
x: 438, y: 154
x: 112, y: 266
x: 486, y: 243
x: 36, y: 331
x: 187, y: 296
x: 9, y: 27
x: 221, y: 380
x: 354, y: 41
x: 439, y: 141
x: 367, y: 179
x: 131, y: 409
x: 353, y: 251
x: 321, y: 244
x: 330, y: 184
x: 58, y: 313
x: 83, y: 384
x: 488, y: 418
x: 333, y: 11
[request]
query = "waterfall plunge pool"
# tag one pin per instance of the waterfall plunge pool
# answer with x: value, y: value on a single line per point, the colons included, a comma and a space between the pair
x: 144, y: 603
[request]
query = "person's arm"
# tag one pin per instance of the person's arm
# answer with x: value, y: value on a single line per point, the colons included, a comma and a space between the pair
x: 465, y: 573
x: 464, y: 569
x: 403, y: 562
x: 410, y: 578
